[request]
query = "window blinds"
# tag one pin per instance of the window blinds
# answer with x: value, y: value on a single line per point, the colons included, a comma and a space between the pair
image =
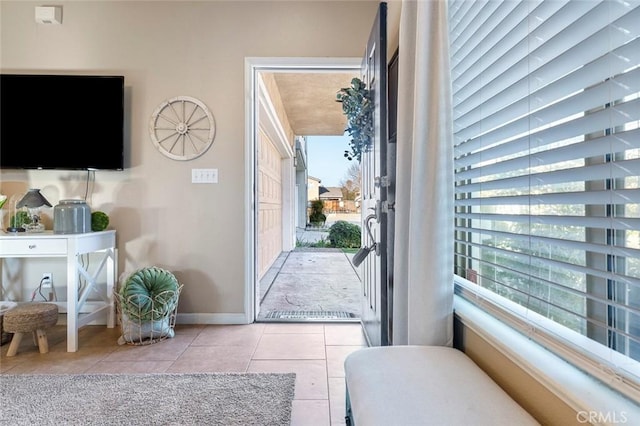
x: 546, y: 104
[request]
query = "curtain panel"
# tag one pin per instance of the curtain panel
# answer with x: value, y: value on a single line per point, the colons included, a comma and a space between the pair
x: 423, y: 269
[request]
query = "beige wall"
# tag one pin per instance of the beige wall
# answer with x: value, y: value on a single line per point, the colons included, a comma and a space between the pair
x: 546, y: 407
x: 166, y: 49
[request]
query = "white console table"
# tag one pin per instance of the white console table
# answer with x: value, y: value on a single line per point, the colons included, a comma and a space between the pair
x: 72, y: 246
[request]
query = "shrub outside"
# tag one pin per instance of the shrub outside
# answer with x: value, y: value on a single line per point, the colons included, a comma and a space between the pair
x: 343, y: 234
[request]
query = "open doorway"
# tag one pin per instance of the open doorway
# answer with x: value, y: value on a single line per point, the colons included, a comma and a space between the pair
x: 291, y: 279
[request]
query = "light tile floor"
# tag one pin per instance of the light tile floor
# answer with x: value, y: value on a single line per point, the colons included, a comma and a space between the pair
x: 314, y: 351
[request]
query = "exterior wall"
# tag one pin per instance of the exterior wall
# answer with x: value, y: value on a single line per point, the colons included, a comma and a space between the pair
x: 302, y: 177
x: 269, y: 204
x: 167, y: 49
x: 274, y: 95
x: 301, y: 198
x: 313, y: 189
x: 276, y: 193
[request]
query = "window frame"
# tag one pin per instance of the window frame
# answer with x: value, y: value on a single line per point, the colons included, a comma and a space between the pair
x: 594, y: 351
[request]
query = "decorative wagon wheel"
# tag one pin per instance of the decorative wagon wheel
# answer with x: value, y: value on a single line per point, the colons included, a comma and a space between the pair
x: 182, y: 128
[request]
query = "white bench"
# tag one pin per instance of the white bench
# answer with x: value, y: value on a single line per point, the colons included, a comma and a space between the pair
x: 424, y: 385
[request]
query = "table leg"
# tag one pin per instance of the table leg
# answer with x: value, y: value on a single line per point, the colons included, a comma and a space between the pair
x: 72, y: 304
x: 111, y: 279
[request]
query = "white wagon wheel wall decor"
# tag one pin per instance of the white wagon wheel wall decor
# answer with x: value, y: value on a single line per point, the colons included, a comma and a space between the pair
x: 182, y: 128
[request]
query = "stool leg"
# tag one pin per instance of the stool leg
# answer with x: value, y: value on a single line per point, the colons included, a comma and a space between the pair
x: 15, y: 342
x: 43, y: 343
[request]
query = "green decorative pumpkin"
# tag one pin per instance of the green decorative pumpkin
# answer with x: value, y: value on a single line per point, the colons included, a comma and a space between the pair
x: 149, y: 294
x: 99, y: 221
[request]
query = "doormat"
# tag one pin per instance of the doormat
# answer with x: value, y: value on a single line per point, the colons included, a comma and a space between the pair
x: 310, y: 315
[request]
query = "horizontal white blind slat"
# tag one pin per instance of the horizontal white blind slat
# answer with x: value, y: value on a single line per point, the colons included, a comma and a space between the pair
x: 461, y: 16
x: 614, y: 197
x: 505, y: 63
x: 492, y: 146
x: 552, y: 263
x: 552, y: 285
x: 559, y: 50
x: 475, y: 25
x: 527, y: 57
x: 601, y: 222
x: 600, y: 93
x: 563, y: 78
x: 556, y: 242
x: 567, y: 290
x: 609, y: 144
x: 613, y: 170
x: 469, y: 59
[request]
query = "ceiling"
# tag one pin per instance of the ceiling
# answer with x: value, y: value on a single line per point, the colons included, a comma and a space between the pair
x: 314, y: 110
x: 309, y: 100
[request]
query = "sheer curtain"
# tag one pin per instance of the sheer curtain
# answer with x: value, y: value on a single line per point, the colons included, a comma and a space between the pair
x: 423, y: 282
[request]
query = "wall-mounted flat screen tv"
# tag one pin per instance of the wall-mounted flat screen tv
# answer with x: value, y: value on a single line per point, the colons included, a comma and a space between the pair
x: 67, y: 122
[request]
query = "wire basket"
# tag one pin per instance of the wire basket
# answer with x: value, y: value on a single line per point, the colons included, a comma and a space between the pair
x: 145, y: 320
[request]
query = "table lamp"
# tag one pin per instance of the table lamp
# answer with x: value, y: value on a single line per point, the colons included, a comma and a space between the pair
x: 33, y: 200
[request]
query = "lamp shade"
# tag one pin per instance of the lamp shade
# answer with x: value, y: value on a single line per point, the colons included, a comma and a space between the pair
x: 33, y: 199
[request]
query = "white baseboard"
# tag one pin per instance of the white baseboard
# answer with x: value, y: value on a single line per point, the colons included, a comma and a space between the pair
x: 211, y: 318
x: 184, y: 319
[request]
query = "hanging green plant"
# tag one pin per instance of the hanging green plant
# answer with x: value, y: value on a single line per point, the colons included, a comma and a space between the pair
x: 358, y: 107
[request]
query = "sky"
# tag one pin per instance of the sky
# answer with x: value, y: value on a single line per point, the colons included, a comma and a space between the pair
x: 326, y: 158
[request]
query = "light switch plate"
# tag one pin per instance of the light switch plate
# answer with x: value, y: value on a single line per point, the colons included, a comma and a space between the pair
x: 204, y: 175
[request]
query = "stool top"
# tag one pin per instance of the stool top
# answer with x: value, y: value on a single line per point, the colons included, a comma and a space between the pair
x: 29, y: 317
x: 33, y: 308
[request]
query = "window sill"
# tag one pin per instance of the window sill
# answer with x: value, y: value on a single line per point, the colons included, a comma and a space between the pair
x: 591, y: 398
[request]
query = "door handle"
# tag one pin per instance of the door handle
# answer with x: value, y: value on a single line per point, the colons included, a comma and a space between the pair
x: 377, y: 211
x: 362, y: 254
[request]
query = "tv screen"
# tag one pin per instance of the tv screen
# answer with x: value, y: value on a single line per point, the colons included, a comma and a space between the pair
x: 69, y: 122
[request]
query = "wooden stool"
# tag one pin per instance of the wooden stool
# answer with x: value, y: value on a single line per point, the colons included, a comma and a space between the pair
x: 30, y: 318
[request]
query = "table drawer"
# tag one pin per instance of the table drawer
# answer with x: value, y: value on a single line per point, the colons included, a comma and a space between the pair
x: 33, y: 247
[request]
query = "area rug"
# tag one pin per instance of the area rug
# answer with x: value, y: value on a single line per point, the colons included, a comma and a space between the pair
x: 261, y: 399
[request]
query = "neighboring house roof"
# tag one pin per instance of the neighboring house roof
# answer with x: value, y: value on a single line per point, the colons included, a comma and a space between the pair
x: 314, y: 178
x: 330, y: 193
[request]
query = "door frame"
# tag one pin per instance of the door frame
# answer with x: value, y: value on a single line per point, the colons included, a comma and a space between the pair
x: 253, y: 66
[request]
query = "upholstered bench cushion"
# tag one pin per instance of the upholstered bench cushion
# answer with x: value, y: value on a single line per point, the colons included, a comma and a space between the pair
x: 425, y: 385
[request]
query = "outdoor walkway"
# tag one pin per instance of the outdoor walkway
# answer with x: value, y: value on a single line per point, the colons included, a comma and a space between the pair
x: 312, y: 235
x: 311, y: 284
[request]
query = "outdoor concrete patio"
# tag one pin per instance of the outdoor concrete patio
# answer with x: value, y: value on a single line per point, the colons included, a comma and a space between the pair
x: 311, y: 284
